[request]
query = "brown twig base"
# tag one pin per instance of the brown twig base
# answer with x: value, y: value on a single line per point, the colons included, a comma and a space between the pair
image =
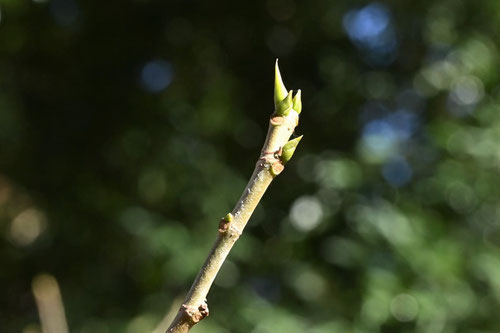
x: 188, y: 316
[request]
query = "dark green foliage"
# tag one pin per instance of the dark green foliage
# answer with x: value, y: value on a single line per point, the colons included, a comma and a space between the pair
x: 128, y: 128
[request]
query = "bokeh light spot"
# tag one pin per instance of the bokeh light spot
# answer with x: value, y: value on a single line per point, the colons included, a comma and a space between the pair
x: 382, y: 137
x: 156, y: 75
x: 375, y: 310
x: 340, y: 174
x: 306, y: 213
x: 136, y: 220
x: 379, y: 140
x: 397, y: 172
x: 461, y: 197
x: 367, y: 23
x: 26, y: 227
x: 309, y: 285
x: 371, y: 30
x: 467, y: 90
x: 404, y: 307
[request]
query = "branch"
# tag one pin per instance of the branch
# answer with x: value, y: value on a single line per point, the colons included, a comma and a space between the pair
x: 276, y: 152
x: 49, y: 303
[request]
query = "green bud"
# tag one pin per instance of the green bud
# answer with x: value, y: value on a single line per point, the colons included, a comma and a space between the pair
x: 229, y: 217
x: 280, y: 91
x: 284, y: 107
x: 297, y: 102
x: 289, y: 149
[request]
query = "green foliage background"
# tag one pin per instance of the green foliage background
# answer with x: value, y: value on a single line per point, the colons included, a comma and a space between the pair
x: 128, y: 128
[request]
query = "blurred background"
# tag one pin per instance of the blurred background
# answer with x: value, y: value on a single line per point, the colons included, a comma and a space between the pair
x: 129, y: 128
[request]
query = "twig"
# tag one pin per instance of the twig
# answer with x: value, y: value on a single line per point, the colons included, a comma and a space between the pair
x: 276, y: 152
x: 50, y: 305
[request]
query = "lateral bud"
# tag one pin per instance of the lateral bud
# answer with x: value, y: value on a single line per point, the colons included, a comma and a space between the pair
x: 225, y: 223
x: 284, y: 107
x: 297, y: 102
x: 288, y: 149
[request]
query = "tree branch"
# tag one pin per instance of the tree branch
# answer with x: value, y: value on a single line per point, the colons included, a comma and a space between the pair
x: 276, y: 152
